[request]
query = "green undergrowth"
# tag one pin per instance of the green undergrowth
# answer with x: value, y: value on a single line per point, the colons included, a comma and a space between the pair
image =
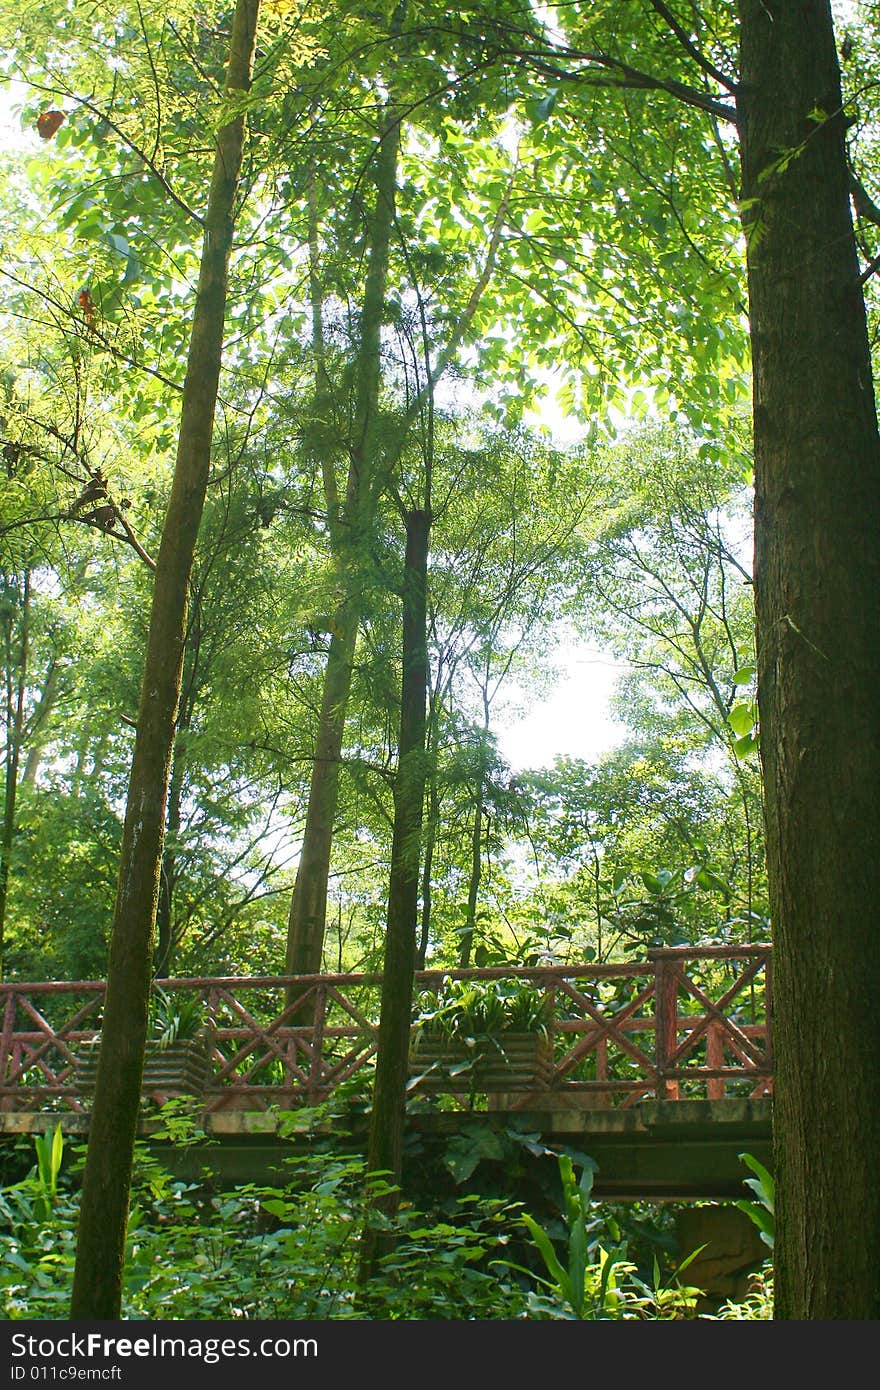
x: 289, y: 1250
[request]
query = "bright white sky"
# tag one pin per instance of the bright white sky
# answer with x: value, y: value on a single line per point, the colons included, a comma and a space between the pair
x: 572, y: 720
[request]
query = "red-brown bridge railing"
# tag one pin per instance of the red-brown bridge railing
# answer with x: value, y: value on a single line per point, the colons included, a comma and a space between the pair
x: 686, y: 1022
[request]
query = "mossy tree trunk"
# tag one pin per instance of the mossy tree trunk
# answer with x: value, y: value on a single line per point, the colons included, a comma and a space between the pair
x: 16, y: 663
x: 384, y: 1153
x: 817, y: 582
x: 97, y: 1287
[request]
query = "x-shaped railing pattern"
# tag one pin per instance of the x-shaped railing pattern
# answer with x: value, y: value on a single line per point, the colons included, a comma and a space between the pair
x: 685, y: 1022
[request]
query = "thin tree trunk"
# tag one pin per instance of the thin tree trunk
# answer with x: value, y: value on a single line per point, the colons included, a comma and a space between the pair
x: 432, y: 808
x: 384, y: 1153
x: 164, y: 953
x: 597, y: 900
x: 350, y: 539
x: 476, y: 873
x: 817, y: 580
x: 308, y: 911
x: 38, y: 733
x: 467, y: 936
x: 433, y: 818
x: 15, y: 695
x: 97, y: 1286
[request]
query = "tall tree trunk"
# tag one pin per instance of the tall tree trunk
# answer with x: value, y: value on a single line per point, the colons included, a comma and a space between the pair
x: 433, y: 818
x: 163, y: 955
x: 164, y: 952
x: 38, y: 730
x: 308, y: 910
x: 370, y: 459
x: 817, y: 580
x: 386, y: 1122
x: 97, y: 1286
x: 16, y: 685
x: 476, y: 873
x: 350, y: 538
x: 470, y: 922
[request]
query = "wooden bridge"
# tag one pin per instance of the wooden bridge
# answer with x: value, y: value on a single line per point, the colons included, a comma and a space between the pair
x: 670, y: 1056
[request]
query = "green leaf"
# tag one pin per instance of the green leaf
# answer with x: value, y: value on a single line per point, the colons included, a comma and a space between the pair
x: 744, y: 747
x: 465, y: 1151
x: 118, y: 243
x: 275, y: 1207
x: 707, y: 878
x: 656, y: 883
x: 768, y: 1186
x: 688, y: 1260
x: 743, y: 717
x: 544, y: 107
x: 760, y: 1217
x: 577, y: 1264
x: 548, y: 1255
x: 57, y: 1151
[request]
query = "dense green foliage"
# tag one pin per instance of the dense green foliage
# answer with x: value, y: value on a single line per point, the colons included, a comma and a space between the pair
x: 490, y: 265
x: 196, y: 1251
x: 527, y: 536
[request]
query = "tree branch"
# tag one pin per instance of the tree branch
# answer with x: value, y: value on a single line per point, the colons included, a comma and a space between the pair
x: 690, y: 47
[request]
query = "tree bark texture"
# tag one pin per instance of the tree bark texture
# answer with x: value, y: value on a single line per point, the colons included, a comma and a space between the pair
x: 97, y: 1288
x: 384, y: 1153
x: 308, y: 909
x: 166, y: 942
x: 16, y: 687
x: 163, y: 955
x: 817, y: 585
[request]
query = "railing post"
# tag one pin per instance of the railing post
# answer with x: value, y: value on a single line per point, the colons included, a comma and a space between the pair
x: 666, y: 974
x: 603, y: 1100
x: 316, y: 1069
x: 6, y: 1046
x: 715, y: 1059
x: 550, y: 995
x: 211, y: 999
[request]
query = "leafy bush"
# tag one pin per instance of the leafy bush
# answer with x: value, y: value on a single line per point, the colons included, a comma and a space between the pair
x: 37, y: 1237
x: 758, y: 1302
x: 291, y: 1251
x: 265, y: 1252
x: 468, y: 1009
x: 174, y: 1017
x: 591, y: 1277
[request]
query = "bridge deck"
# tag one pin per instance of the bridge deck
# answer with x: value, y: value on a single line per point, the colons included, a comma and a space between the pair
x: 656, y: 1149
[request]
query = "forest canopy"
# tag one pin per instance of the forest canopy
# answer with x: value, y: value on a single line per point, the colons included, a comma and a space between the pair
x: 495, y: 299
x: 355, y: 364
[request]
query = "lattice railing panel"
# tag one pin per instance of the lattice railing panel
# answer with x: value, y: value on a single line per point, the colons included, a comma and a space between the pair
x: 685, y: 1023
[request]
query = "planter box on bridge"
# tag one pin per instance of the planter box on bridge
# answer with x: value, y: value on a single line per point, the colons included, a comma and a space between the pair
x: 506, y: 1062
x: 182, y: 1068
